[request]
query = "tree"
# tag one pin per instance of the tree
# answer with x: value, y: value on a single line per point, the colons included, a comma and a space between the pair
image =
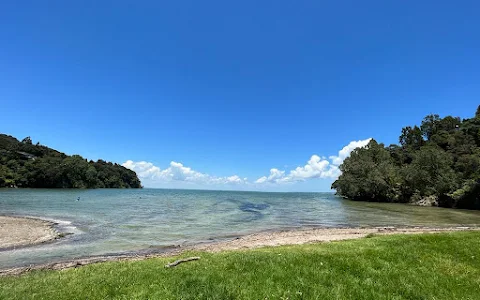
x: 399, y: 155
x: 368, y: 174
x: 430, y: 125
x: 26, y: 165
x: 429, y: 173
x: 449, y: 124
x: 472, y: 128
x: 27, y: 140
x: 439, y: 160
x: 7, y: 177
x: 411, y: 137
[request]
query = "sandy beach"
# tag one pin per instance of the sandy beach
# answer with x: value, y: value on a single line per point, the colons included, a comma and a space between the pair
x: 20, y: 232
x: 304, y: 236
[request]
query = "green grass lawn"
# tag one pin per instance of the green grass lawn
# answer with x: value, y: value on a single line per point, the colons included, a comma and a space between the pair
x: 427, y: 266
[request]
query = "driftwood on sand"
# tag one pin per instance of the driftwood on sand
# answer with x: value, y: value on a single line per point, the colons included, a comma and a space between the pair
x: 179, y: 261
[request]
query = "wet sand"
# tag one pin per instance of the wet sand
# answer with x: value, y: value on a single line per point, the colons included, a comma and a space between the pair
x: 22, y: 231
x: 16, y: 232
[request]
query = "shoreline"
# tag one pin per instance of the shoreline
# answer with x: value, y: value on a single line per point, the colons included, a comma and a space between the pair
x: 270, y: 238
x: 274, y: 238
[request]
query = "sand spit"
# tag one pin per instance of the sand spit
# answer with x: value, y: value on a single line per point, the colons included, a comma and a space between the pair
x: 17, y: 232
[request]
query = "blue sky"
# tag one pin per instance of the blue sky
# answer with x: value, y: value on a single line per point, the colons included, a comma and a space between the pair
x: 232, y: 89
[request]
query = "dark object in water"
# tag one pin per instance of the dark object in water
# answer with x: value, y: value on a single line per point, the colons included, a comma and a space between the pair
x: 78, y: 199
x: 254, y: 210
x: 249, y: 207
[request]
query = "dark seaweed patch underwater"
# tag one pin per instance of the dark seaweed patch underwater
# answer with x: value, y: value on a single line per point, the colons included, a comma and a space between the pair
x: 255, y: 210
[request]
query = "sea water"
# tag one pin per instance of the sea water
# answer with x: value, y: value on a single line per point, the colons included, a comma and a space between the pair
x: 111, y: 221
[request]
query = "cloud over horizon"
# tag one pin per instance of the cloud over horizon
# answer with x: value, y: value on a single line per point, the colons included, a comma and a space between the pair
x: 316, y: 167
x: 177, y: 172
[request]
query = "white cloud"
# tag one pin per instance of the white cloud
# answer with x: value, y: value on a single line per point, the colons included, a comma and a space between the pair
x: 143, y: 168
x: 178, y: 175
x: 275, y: 174
x: 177, y: 172
x: 316, y: 167
x: 345, y: 152
x: 235, y: 179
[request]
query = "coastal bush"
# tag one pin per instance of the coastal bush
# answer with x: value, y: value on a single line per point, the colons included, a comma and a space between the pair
x: 23, y: 164
x: 440, y: 158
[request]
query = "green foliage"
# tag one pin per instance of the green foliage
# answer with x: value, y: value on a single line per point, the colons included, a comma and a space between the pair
x: 412, y: 137
x: 468, y: 196
x: 24, y: 164
x: 429, y: 173
x: 430, y: 126
x: 440, y: 159
x: 27, y: 140
x: 368, y: 174
x: 426, y: 266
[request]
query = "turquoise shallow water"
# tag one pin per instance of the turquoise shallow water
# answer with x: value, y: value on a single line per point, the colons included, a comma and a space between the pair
x: 105, y: 222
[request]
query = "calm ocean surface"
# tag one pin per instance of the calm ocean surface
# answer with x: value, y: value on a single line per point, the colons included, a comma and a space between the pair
x: 105, y: 221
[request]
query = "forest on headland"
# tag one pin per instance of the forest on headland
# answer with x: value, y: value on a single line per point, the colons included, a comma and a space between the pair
x: 27, y: 165
x: 436, y: 163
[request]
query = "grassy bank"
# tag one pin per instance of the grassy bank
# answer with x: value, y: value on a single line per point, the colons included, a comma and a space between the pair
x: 429, y: 266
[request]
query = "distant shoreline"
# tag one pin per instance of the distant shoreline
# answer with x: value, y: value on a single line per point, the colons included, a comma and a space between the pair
x: 20, y: 232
